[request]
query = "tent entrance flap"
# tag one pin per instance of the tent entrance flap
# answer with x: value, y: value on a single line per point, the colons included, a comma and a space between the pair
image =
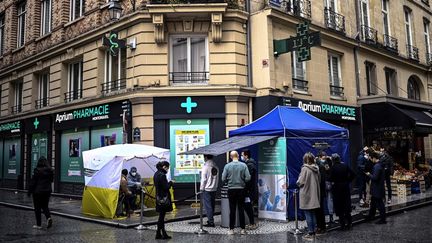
x: 229, y: 144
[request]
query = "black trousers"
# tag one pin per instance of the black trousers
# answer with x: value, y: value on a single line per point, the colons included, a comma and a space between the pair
x: 377, y: 203
x: 40, y: 202
x: 388, y: 185
x: 236, y: 199
x: 320, y: 216
x: 248, y: 207
x: 161, y: 221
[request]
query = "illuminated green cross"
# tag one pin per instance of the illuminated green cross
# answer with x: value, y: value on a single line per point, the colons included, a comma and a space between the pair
x: 36, y: 123
x: 189, y: 105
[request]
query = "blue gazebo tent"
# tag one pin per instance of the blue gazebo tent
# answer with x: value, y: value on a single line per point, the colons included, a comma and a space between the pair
x: 303, y: 133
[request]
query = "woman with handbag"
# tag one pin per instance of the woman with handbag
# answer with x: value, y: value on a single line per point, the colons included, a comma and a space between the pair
x: 163, y: 197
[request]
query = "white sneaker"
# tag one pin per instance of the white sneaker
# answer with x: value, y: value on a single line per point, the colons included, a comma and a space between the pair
x: 230, y: 232
x: 252, y: 226
x: 361, y: 201
x: 243, y: 232
x: 389, y: 201
x: 37, y: 227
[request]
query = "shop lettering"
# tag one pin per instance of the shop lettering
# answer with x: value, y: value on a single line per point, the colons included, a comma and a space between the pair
x: 97, y: 113
x: 12, y: 126
x: 309, y: 107
x: 347, y: 113
x: 64, y: 117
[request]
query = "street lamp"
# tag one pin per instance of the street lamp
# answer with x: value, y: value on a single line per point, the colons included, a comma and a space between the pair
x: 115, y: 10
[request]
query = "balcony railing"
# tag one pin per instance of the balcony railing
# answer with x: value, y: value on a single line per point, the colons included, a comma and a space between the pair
x: 16, y: 109
x: 112, y: 86
x: 299, y: 84
x: 390, y: 43
x: 429, y: 58
x: 369, y: 35
x: 300, y: 8
x: 184, y: 1
x: 413, y: 52
x: 334, y: 20
x: 41, y: 103
x: 336, y: 91
x: 73, y: 95
x: 189, y: 77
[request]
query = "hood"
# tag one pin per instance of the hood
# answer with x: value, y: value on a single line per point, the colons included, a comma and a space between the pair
x: 314, y: 168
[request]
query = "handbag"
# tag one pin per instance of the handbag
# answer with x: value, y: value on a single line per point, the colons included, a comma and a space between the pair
x: 162, y: 201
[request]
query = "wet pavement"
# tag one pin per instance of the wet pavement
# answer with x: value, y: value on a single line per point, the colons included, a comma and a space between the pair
x: 16, y: 226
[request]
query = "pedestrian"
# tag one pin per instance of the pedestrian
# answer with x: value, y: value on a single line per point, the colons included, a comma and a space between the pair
x: 208, y: 187
x: 319, y: 213
x: 387, y: 161
x: 362, y: 160
x: 236, y: 175
x: 134, y: 185
x: 251, y: 188
x: 125, y: 193
x: 341, y: 176
x: 377, y: 189
x: 309, y: 184
x: 40, y: 187
x: 163, y: 198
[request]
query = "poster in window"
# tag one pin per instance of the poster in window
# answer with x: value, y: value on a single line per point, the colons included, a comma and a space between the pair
x: 72, y: 145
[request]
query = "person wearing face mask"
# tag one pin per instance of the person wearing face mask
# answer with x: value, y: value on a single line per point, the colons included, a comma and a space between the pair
x: 162, y: 193
x: 134, y: 185
x: 251, y: 187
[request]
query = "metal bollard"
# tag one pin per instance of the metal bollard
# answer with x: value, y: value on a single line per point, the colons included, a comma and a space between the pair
x: 296, y: 230
x: 201, y: 230
x: 141, y: 226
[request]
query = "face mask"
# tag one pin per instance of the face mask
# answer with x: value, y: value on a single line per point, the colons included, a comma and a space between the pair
x: 133, y: 173
x: 243, y: 158
x: 366, y: 157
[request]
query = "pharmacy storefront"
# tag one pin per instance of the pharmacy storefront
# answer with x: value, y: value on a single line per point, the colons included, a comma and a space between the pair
x: 87, y: 128
x: 11, y: 154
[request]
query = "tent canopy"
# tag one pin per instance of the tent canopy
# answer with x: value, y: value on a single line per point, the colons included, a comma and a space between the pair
x: 229, y: 144
x: 285, y: 121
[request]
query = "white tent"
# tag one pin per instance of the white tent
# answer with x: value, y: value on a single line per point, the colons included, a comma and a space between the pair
x: 102, y: 172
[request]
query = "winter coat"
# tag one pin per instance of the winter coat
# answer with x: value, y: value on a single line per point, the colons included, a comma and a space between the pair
x: 41, y: 180
x: 209, y: 177
x: 124, y: 186
x: 341, y: 176
x: 377, y: 181
x: 387, y: 162
x: 309, y: 183
x: 251, y: 186
x: 162, y: 189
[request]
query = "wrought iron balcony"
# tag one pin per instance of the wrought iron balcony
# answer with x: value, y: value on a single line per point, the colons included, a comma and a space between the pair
x: 429, y: 58
x: 334, y: 20
x: 16, y: 109
x: 189, y: 77
x: 369, y: 35
x: 184, y: 1
x: 112, y: 86
x: 300, y: 8
x: 300, y: 84
x: 390, y: 43
x: 41, y: 103
x: 412, y: 53
x: 73, y: 95
x: 336, y: 91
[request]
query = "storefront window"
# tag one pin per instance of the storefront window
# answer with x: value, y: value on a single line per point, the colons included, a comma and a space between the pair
x: 12, y: 158
x: 72, y: 145
x: 106, y: 136
x: 39, y: 148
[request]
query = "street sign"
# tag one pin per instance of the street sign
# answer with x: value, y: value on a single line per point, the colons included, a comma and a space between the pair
x: 137, y: 134
x: 300, y: 43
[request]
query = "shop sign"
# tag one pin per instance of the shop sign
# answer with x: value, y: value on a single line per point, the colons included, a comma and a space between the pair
x: 11, y: 127
x: 37, y: 124
x: 189, y: 107
x: 94, y: 114
x: 325, y: 110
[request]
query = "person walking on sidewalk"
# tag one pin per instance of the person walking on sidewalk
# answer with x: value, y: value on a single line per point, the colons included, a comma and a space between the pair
x: 40, y: 187
x: 341, y: 176
x: 236, y: 175
x: 208, y: 187
x: 387, y: 161
x: 251, y: 188
x: 377, y: 189
x: 309, y: 184
x: 163, y: 198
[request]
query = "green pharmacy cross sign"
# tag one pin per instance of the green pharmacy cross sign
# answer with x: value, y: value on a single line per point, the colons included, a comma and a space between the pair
x: 300, y: 43
x: 113, y: 43
x: 189, y: 105
x: 36, y: 123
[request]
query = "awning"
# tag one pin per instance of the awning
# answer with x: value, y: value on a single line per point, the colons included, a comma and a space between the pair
x: 381, y: 117
x: 229, y: 144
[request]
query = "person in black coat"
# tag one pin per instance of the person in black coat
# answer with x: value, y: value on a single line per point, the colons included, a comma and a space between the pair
x: 377, y: 189
x: 40, y: 187
x: 341, y: 176
x: 251, y: 187
x: 162, y: 192
x: 323, y: 166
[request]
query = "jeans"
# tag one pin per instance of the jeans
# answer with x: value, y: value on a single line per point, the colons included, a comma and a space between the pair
x: 40, y: 202
x: 236, y: 199
x: 209, y: 205
x: 310, y: 220
x: 377, y: 203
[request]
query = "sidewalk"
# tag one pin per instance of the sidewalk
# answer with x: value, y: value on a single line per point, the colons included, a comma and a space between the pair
x: 71, y: 208
x: 185, y: 218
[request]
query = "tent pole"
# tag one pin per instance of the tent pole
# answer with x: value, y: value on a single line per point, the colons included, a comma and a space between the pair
x: 141, y: 226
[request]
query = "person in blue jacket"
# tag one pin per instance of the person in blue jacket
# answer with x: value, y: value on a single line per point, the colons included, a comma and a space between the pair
x: 377, y: 189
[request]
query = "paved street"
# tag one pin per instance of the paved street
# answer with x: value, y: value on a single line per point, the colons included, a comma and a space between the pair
x: 16, y: 226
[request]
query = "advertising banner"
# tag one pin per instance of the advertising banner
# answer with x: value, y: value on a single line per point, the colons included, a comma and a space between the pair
x: 186, y: 135
x: 272, y: 181
x: 39, y: 147
x: 102, y: 137
x: 12, y: 158
x: 72, y: 145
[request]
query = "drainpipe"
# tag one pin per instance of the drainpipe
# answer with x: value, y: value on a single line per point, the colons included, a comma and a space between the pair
x: 248, y: 45
x: 357, y: 71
